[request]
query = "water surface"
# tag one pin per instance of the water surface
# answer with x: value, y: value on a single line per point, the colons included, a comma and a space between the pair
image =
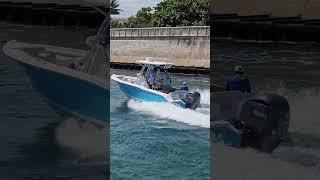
x: 159, y: 140
x: 291, y: 70
x: 38, y: 142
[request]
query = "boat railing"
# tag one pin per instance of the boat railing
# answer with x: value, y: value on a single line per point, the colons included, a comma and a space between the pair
x: 183, y: 31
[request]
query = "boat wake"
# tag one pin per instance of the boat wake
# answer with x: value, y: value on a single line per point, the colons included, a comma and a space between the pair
x: 304, y: 111
x: 83, y: 137
x: 205, y: 96
x: 248, y: 164
x: 304, y: 156
x: 200, y: 117
x: 301, y: 160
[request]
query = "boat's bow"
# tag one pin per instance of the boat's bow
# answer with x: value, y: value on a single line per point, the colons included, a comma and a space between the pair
x: 68, y: 88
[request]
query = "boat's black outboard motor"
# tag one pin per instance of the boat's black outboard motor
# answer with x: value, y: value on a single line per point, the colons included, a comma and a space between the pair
x: 192, y: 99
x: 264, y: 121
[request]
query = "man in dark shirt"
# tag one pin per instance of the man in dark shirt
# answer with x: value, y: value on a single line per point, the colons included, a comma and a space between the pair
x: 239, y: 82
x: 184, y: 87
x: 152, y: 79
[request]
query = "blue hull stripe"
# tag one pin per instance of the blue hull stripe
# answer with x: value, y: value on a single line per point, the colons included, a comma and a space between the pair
x: 140, y: 94
x: 76, y: 95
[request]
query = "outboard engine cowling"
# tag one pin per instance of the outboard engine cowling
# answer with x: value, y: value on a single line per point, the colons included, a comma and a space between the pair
x: 192, y: 99
x: 265, y: 121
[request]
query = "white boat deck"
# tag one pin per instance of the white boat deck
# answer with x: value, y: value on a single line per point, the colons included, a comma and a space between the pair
x: 53, y: 56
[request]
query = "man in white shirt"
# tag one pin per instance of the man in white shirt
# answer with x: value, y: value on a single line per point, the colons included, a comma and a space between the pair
x: 166, y: 82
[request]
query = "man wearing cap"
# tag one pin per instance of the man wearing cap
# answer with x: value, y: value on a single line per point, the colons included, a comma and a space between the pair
x: 239, y: 82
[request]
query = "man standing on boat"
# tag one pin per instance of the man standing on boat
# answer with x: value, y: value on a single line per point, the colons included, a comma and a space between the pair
x: 166, y: 82
x: 239, y: 82
x: 152, y: 79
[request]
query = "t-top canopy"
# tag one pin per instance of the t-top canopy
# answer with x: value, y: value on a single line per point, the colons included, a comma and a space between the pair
x: 151, y: 61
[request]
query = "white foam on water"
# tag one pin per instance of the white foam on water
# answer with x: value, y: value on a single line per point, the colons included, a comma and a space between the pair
x: 292, y: 163
x: 170, y: 111
x: 248, y: 164
x: 205, y: 95
x: 305, y: 113
x: 304, y: 110
x: 83, y: 137
x: 305, y: 156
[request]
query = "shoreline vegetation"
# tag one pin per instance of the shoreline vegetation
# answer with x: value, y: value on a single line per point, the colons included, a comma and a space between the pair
x: 168, y: 13
x: 188, y: 59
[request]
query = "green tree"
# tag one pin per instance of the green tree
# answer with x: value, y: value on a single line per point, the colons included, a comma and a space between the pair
x: 181, y: 13
x: 114, y: 7
x: 171, y: 13
x: 143, y: 18
x: 116, y: 24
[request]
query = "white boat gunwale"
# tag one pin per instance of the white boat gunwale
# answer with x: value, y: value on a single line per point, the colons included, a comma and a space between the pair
x: 156, y: 63
x: 14, y: 49
x: 116, y: 78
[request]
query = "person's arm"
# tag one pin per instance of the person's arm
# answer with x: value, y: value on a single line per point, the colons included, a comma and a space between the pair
x: 151, y: 79
x: 148, y: 80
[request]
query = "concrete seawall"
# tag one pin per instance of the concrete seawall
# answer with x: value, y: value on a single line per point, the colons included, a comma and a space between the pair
x: 189, y: 56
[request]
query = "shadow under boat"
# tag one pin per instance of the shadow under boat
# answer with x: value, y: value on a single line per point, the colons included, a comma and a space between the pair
x: 56, y: 72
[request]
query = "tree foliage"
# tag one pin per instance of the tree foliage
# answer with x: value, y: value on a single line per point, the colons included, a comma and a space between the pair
x: 170, y: 13
x: 116, y: 24
x: 114, y: 7
x: 181, y: 13
x: 143, y: 18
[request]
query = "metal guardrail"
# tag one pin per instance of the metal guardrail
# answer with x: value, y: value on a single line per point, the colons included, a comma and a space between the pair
x: 185, y: 31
